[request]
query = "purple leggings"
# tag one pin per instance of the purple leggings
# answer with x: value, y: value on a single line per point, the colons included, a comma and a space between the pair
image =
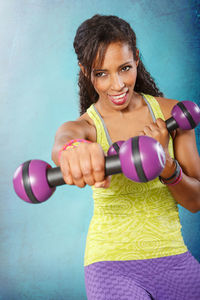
x: 174, y: 277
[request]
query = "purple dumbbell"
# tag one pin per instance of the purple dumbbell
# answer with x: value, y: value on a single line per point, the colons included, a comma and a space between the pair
x: 31, y: 182
x: 185, y: 115
x: 141, y: 159
x: 114, y: 148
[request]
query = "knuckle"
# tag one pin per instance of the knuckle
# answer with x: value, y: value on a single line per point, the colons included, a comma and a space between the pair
x: 77, y: 175
x: 86, y: 172
x: 98, y: 168
x: 86, y: 168
x: 64, y: 170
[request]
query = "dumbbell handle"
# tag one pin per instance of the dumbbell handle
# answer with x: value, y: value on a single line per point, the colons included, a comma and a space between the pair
x: 171, y: 124
x: 112, y: 166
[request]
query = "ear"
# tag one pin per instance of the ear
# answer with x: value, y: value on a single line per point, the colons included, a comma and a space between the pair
x: 137, y: 57
x: 82, y: 68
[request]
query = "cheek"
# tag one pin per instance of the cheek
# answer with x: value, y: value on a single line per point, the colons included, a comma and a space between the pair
x: 101, y: 86
x: 131, y: 78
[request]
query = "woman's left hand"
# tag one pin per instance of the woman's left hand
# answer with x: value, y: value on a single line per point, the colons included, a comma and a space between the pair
x: 159, y: 132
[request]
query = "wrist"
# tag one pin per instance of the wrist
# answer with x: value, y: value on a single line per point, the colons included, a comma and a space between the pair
x: 175, y: 178
x: 71, y: 144
x: 169, y: 169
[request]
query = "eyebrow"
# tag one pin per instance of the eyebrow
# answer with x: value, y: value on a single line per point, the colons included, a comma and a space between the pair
x: 121, y: 66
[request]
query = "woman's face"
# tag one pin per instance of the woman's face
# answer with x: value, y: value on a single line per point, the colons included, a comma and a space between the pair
x: 114, y: 81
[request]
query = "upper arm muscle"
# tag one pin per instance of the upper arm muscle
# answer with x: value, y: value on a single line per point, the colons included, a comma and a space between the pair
x: 186, y: 152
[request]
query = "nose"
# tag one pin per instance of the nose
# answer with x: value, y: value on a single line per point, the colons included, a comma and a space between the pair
x: 117, y: 83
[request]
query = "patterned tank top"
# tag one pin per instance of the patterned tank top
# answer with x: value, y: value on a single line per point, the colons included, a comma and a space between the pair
x: 132, y: 220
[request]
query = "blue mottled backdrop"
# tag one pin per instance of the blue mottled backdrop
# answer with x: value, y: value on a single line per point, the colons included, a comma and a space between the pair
x: 42, y: 246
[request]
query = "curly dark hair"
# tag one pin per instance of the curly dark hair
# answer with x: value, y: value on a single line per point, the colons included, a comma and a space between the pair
x: 93, y: 37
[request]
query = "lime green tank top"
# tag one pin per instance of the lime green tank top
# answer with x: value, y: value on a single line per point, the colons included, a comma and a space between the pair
x: 132, y: 220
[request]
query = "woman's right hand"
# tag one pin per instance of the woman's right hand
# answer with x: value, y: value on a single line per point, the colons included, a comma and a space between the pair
x: 83, y: 165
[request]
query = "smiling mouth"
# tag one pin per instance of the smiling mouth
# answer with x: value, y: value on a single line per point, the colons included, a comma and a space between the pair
x: 119, y: 99
x: 118, y: 96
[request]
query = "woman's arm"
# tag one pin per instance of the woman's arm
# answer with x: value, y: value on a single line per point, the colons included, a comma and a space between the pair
x: 84, y: 164
x: 187, y: 191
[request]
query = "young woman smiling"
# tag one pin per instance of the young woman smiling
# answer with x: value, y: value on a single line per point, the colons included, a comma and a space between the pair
x: 134, y: 248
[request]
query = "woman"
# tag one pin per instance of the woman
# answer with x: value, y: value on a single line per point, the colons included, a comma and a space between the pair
x: 134, y: 249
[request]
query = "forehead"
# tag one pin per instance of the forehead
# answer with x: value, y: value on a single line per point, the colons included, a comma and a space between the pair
x: 115, y: 54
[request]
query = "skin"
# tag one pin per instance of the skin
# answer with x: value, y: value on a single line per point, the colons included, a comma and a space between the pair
x: 85, y: 164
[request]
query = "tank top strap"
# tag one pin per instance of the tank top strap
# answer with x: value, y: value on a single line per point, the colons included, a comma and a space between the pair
x: 103, y: 137
x: 154, y: 107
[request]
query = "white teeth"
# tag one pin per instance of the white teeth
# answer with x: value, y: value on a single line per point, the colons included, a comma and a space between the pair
x: 119, y: 97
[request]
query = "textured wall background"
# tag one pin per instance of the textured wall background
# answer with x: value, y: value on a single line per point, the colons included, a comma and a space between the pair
x: 42, y: 246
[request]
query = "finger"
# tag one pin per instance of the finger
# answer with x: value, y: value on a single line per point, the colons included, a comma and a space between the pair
x: 147, y: 131
x: 65, y: 169
x: 98, y: 162
x: 99, y: 184
x: 153, y: 130
x: 103, y: 184
x: 153, y: 126
x: 75, y: 169
x: 86, y: 167
x: 161, y: 123
x: 162, y: 127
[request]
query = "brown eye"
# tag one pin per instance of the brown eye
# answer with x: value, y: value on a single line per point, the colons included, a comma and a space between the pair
x: 100, y: 74
x: 126, y: 68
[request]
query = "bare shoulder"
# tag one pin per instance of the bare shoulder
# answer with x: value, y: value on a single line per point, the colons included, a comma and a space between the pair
x: 85, y: 118
x: 166, y: 105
